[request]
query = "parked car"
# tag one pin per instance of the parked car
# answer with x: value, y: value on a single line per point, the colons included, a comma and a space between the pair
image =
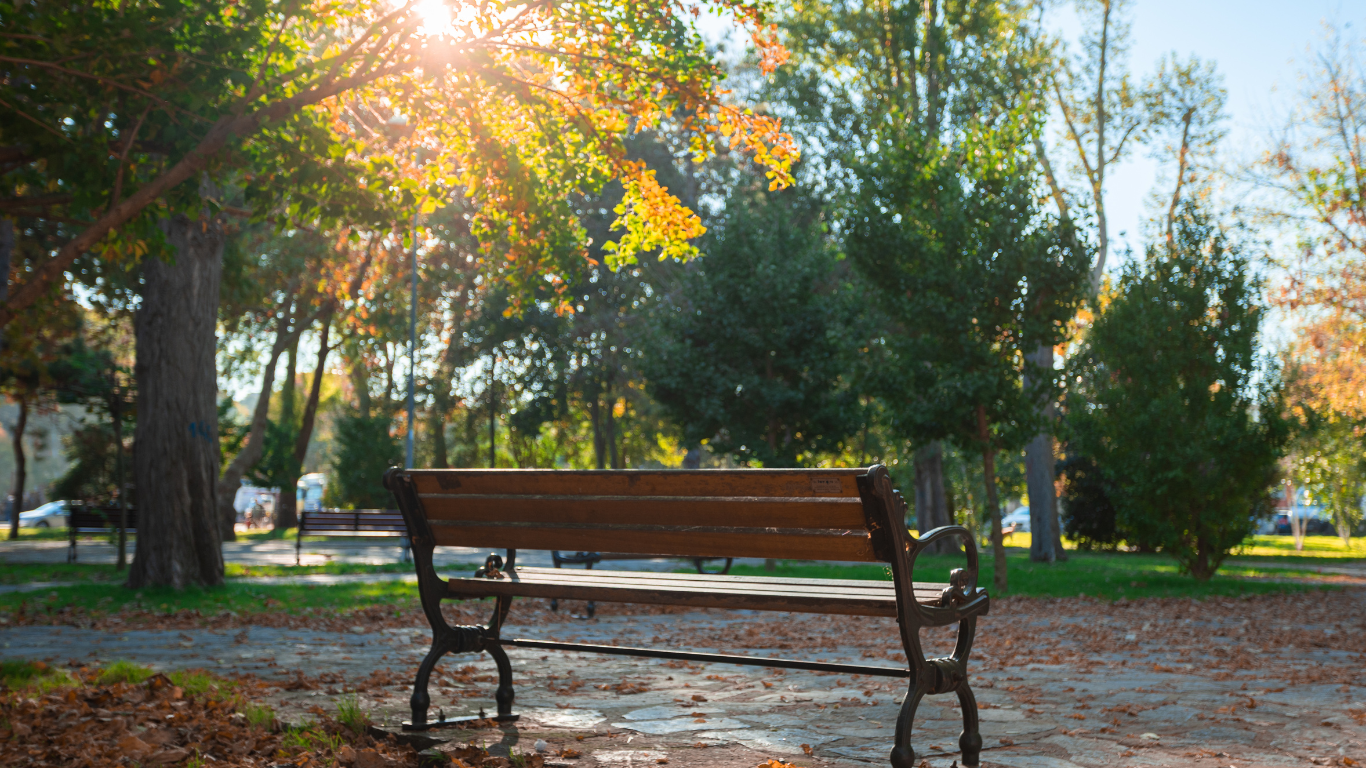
x: 50, y: 515
x: 1314, y: 521
x: 1019, y: 518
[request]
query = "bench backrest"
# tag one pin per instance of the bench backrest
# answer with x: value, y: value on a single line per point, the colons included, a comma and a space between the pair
x: 352, y: 522
x: 81, y: 517
x: 812, y: 514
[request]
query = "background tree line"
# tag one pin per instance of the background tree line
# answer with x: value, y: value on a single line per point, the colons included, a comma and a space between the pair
x: 935, y: 290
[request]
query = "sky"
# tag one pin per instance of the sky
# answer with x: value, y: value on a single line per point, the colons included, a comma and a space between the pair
x: 1261, y: 48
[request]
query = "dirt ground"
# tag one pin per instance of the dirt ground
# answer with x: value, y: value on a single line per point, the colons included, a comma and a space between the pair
x: 1264, y: 681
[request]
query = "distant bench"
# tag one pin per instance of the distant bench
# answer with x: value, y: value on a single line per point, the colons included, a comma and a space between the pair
x: 81, y: 518
x: 808, y: 514
x: 378, y: 523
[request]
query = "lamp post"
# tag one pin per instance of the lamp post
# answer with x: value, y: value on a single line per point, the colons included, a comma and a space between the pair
x: 412, y: 335
x: 412, y: 346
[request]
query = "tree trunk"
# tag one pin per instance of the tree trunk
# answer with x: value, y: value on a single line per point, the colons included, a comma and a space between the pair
x: 305, y: 435
x: 493, y: 412
x: 175, y: 464
x: 6, y: 255
x: 998, y: 544
x: 20, y: 467
x: 360, y: 382
x: 1045, y: 534
x: 1296, y: 527
x: 251, y: 450
x: 610, y: 430
x: 931, y: 502
x: 287, y: 508
x: 599, y: 445
x: 116, y: 413
x: 693, y: 458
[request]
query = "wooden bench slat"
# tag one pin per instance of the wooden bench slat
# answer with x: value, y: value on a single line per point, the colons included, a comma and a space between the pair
x: 783, y: 483
x: 853, y: 545
x: 835, y: 587
x: 626, y: 510
x: 710, y: 579
x: 681, y: 594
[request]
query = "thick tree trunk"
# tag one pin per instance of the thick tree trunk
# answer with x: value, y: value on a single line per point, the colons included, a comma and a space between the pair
x: 20, y: 467
x: 251, y: 450
x: 998, y: 544
x: 931, y: 502
x: 175, y: 462
x: 1045, y: 533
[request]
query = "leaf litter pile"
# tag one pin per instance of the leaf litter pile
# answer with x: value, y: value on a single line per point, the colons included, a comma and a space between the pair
x: 128, y: 716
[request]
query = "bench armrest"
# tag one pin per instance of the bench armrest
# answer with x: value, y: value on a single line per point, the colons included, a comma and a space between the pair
x: 962, y: 581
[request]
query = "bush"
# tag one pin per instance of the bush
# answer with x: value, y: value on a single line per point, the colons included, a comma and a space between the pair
x: 1088, y: 515
x: 1170, y: 401
x: 364, y: 451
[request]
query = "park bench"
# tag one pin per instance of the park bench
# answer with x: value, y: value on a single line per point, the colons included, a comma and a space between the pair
x: 817, y: 514
x: 85, y: 519
x: 382, y: 523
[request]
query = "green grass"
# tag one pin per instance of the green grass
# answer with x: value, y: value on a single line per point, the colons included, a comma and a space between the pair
x: 237, y: 570
x: 1315, y: 547
x: 350, y: 714
x: 242, y: 598
x: 267, y: 534
x: 258, y: 715
x: 310, y: 737
x: 48, y: 534
x: 27, y: 573
x: 1104, y: 575
x: 33, y: 675
x: 123, y: 672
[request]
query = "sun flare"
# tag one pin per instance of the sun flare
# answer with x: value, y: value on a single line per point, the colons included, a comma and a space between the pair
x: 435, y: 16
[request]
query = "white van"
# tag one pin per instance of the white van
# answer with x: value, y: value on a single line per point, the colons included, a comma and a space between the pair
x: 310, y: 492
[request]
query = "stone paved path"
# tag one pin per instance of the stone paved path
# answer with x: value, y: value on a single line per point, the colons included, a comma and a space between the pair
x: 1061, y: 683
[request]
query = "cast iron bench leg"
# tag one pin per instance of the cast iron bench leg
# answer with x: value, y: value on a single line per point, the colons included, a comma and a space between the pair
x: 940, y: 676
x: 505, y: 694
x: 971, y: 739
x: 903, y: 754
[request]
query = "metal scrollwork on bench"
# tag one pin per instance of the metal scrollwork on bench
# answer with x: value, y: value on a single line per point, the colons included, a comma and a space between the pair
x: 493, y: 568
x: 960, y: 589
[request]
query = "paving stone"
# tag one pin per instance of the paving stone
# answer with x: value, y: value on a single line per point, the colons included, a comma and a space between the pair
x: 678, y: 725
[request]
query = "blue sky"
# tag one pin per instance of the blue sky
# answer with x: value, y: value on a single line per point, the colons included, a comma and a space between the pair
x: 1260, y: 47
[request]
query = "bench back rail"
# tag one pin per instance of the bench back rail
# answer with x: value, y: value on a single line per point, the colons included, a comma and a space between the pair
x: 796, y: 514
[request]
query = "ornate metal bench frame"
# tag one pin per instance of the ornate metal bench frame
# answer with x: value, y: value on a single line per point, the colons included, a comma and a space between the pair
x: 962, y: 602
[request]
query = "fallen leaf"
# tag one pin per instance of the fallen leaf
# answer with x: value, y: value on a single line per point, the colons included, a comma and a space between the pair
x: 172, y: 755
x: 132, y: 745
x: 369, y: 758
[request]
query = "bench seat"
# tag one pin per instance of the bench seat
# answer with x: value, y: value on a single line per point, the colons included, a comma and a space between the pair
x: 850, y: 597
